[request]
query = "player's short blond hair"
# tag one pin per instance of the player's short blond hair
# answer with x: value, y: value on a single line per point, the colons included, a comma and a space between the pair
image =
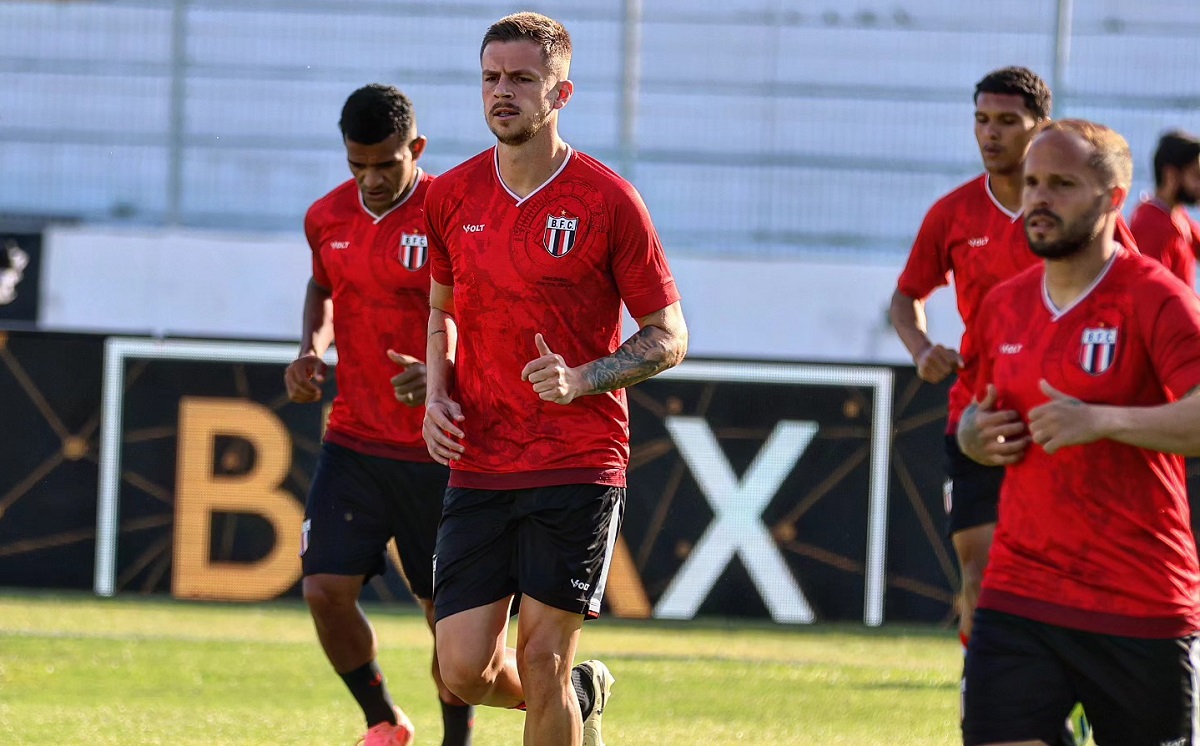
x: 550, y: 35
x: 1111, y: 159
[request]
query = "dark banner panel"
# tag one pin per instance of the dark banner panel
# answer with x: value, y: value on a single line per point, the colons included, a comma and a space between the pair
x: 49, y: 422
x: 20, y: 276
x: 792, y: 492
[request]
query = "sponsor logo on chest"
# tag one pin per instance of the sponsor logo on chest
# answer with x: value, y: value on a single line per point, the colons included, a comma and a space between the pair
x: 414, y: 251
x: 976, y: 243
x: 339, y: 245
x: 1098, y: 350
x: 559, y: 236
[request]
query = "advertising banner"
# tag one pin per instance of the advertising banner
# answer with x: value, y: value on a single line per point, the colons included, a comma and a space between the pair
x: 791, y: 492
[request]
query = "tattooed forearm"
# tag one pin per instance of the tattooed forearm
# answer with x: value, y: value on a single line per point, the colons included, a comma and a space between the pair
x: 647, y: 353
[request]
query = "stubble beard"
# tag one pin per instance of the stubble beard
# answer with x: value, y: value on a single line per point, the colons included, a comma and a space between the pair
x: 1074, y: 237
x: 521, y: 136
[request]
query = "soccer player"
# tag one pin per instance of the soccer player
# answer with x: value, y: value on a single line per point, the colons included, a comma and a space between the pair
x: 374, y: 479
x: 975, y: 233
x: 534, y: 247
x: 1089, y: 368
x: 1161, y: 224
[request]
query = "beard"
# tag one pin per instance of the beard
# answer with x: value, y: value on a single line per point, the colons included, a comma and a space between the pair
x: 1186, y: 197
x: 523, y: 135
x: 1072, y: 238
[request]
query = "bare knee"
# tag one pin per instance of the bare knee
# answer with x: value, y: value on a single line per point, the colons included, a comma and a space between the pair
x: 330, y: 595
x: 543, y: 666
x: 465, y: 679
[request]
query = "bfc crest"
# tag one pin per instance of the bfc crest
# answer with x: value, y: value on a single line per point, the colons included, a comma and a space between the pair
x: 414, y: 251
x: 1098, y: 351
x: 559, y: 237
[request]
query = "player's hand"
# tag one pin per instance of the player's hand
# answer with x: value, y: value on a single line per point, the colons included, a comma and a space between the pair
x: 552, y: 379
x: 303, y: 377
x: 993, y: 437
x: 443, y: 437
x: 409, y: 383
x: 936, y: 363
x: 1064, y: 421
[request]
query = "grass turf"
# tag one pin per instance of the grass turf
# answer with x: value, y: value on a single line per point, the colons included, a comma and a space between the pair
x: 76, y: 669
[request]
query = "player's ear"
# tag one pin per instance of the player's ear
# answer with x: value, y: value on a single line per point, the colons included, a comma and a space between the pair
x: 417, y: 146
x: 1118, y: 195
x: 565, y: 90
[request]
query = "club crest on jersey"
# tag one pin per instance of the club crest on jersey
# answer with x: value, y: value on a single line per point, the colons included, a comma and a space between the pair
x: 414, y: 251
x: 1098, y: 351
x: 559, y: 237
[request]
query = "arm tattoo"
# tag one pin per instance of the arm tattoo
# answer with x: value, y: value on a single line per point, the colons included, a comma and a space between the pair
x: 647, y: 353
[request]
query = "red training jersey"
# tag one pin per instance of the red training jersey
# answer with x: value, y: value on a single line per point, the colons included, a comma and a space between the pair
x: 378, y: 271
x: 1094, y: 537
x: 1170, y: 236
x: 559, y: 261
x: 970, y: 234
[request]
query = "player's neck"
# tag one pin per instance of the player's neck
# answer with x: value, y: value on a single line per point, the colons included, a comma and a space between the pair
x: 1006, y: 188
x: 379, y: 211
x: 527, y: 166
x: 1067, y: 279
x: 1166, y: 198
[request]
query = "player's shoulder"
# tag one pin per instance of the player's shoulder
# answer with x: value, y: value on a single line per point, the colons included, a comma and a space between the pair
x: 600, y: 176
x: 966, y: 196
x: 1148, y: 214
x: 1025, y: 283
x: 341, y: 197
x: 1148, y: 279
x: 469, y: 172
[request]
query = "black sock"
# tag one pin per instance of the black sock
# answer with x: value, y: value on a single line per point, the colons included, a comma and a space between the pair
x: 457, y: 723
x: 367, y: 685
x: 583, y: 690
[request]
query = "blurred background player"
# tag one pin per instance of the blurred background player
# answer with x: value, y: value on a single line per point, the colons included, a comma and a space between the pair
x: 1088, y: 383
x: 975, y: 233
x: 1161, y: 223
x: 374, y: 479
x: 535, y: 247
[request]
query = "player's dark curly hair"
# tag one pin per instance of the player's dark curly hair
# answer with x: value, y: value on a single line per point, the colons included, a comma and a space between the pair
x: 375, y: 112
x: 1175, y: 148
x: 544, y: 31
x: 1019, y: 81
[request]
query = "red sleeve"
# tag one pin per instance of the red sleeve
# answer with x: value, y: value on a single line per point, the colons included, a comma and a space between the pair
x: 1158, y: 239
x: 928, y: 266
x: 439, y: 255
x: 638, y: 262
x: 1175, y: 341
x: 312, y: 232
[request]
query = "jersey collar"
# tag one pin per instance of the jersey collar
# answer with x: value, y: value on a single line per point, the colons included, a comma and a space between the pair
x: 375, y: 219
x: 1055, y: 313
x: 987, y: 187
x: 543, y: 185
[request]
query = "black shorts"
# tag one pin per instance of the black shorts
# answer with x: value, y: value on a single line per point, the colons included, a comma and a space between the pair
x: 553, y: 544
x: 1023, y: 678
x: 972, y: 490
x: 357, y: 503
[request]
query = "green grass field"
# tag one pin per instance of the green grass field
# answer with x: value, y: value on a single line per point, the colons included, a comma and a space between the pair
x: 79, y: 670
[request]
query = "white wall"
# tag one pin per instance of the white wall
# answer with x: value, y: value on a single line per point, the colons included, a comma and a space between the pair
x: 193, y: 283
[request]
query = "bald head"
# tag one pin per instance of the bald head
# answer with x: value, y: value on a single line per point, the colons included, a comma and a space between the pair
x: 1077, y: 174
